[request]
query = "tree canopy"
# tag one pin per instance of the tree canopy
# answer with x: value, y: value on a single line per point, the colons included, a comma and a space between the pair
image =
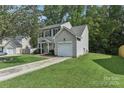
x: 105, y: 23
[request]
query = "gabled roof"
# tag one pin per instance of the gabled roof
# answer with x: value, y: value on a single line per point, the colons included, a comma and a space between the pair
x: 17, y: 44
x: 76, y: 31
x: 14, y: 42
x: 69, y: 30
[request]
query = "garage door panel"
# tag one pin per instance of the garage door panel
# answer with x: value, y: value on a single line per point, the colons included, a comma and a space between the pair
x: 10, y: 51
x: 65, y: 49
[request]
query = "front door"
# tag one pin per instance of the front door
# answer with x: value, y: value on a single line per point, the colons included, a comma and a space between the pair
x: 44, y: 48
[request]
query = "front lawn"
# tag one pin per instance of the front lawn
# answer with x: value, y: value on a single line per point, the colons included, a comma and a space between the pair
x: 91, y: 70
x: 18, y: 60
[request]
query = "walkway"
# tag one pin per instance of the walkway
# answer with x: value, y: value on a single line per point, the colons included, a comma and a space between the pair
x: 11, y: 72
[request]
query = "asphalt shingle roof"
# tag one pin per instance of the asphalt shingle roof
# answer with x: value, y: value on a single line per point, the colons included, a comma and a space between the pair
x: 76, y: 30
x: 16, y: 43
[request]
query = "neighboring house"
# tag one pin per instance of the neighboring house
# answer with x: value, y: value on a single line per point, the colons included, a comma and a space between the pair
x: 15, y: 45
x: 64, y: 40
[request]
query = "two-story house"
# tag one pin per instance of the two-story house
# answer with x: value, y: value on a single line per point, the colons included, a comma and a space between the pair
x: 64, y: 40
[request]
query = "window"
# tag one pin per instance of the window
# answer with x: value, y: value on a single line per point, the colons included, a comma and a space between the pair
x: 39, y: 45
x: 55, y: 30
x: 42, y: 34
x: 47, y: 33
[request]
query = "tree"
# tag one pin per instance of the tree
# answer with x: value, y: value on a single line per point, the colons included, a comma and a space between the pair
x: 105, y: 23
x: 20, y: 20
x: 55, y: 14
x: 105, y: 26
x: 6, y: 28
x: 27, y: 22
x: 96, y: 20
x: 116, y: 39
x: 76, y: 14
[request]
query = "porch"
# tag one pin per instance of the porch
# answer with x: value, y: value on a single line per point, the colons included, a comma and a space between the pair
x: 46, y: 46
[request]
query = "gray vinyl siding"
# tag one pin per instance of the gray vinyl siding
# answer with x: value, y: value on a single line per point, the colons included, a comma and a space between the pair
x: 68, y: 37
x: 83, y: 43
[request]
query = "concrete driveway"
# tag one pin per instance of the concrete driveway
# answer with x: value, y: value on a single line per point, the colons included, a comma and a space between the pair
x: 11, y: 72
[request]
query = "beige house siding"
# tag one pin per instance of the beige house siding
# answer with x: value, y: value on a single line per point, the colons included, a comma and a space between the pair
x: 18, y: 50
x: 68, y: 37
x: 4, y: 42
x: 25, y: 43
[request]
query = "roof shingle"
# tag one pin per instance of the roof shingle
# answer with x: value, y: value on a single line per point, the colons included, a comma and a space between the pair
x: 76, y: 30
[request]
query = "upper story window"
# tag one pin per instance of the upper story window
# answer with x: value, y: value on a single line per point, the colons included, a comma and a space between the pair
x: 55, y: 30
x: 47, y: 33
x: 42, y: 34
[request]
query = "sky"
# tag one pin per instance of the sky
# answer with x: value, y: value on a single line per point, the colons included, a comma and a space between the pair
x: 41, y: 7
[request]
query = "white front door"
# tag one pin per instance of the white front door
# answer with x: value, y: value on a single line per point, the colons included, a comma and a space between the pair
x: 65, y: 49
x: 11, y: 51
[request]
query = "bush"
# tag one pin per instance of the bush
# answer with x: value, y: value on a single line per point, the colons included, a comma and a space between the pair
x: 37, y: 51
x: 51, y: 52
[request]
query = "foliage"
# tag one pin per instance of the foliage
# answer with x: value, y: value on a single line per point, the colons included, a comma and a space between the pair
x: 28, y: 22
x: 20, y: 20
x: 55, y: 14
x: 6, y: 28
x: 105, y: 23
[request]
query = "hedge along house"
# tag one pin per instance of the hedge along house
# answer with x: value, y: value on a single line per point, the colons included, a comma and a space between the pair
x: 64, y: 40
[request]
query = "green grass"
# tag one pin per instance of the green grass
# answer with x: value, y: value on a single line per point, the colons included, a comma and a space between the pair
x: 18, y: 60
x: 91, y: 70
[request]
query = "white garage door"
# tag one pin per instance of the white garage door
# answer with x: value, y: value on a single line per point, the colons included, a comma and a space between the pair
x: 11, y: 51
x: 65, y: 49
